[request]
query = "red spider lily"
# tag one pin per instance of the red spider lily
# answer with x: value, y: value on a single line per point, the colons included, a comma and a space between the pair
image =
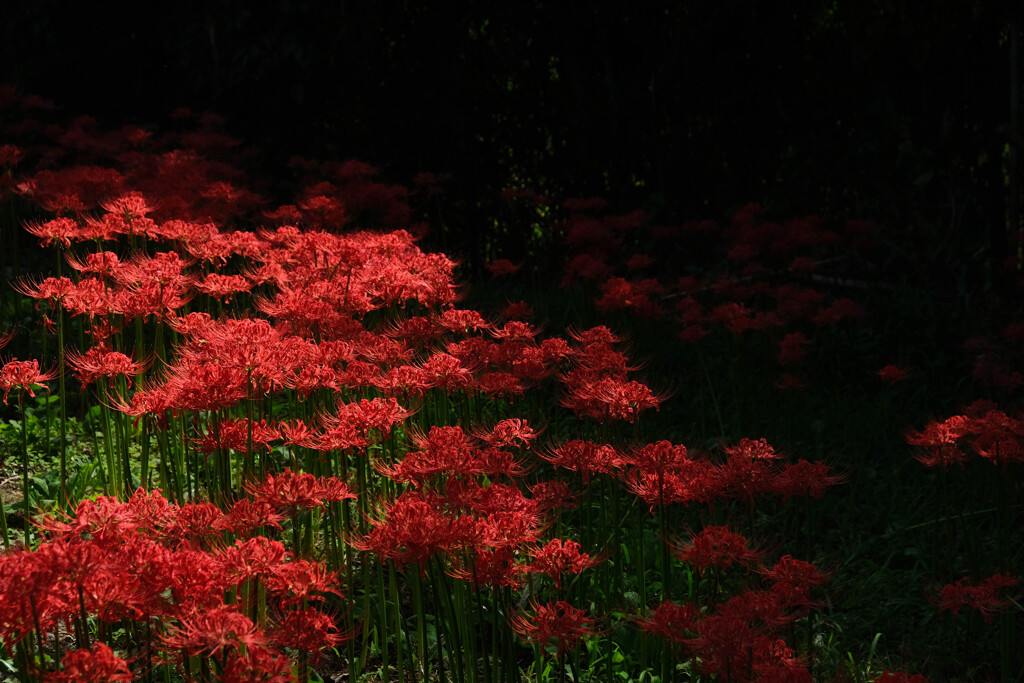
x: 444, y: 449
x: 307, y: 630
x: 658, y: 457
x: 203, y: 386
x: 640, y: 296
x: 297, y: 433
x: 792, y: 581
x: 517, y: 310
x: 502, y: 266
x: 10, y: 155
x: 892, y: 374
x: 50, y: 289
x: 792, y: 348
x: 536, y: 363
x: 301, y: 580
x: 236, y: 434
x: 595, y: 335
x: 488, y: 567
x: 723, y: 645
x: 104, y: 265
x: 101, y: 361
x: 612, y: 399
x: 107, y: 518
x: 599, y: 359
x: 73, y: 189
x: 585, y: 457
x: 27, y: 591
x: 91, y: 297
x: 998, y: 437
x: 552, y: 496
x: 223, y: 286
x: 751, y: 469
x: 128, y: 206
x: 510, y: 432
x: 196, y: 580
x: 448, y: 450
x: 515, y: 331
x: 718, y: 547
x: 196, y: 524
x: 418, y: 331
x: 561, y: 557
x: 499, y: 384
x: 775, y: 662
x: 984, y: 597
x: 378, y: 414
x: 941, y: 441
x: 795, y: 572
x: 96, y: 665
x: 256, y: 663
x: 504, y: 516
x: 405, y: 380
x: 447, y: 372
x: 25, y: 376
x: 805, y: 479
x: 253, y: 558
x: 213, y: 633
x: 246, y: 515
x: 463, y: 321
x: 671, y: 622
x: 411, y: 529
x: 663, y: 473
x: 693, y: 481
x: 560, y: 621
x: 899, y: 677
x: 290, y: 492
x: 57, y: 231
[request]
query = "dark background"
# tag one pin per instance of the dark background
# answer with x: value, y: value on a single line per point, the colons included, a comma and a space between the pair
x: 894, y: 111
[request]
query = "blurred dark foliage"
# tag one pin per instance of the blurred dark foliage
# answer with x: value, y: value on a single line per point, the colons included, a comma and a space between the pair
x: 887, y: 110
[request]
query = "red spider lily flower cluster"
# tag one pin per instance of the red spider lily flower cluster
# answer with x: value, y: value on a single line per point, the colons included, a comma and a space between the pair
x: 102, y: 362
x: 290, y: 492
x: 147, y: 558
x: 987, y: 597
x: 24, y: 376
x: 414, y: 529
x: 558, y: 558
x: 893, y: 374
x: 739, y: 637
x: 663, y: 473
x: 584, y: 457
x: 988, y: 433
x: 359, y: 328
x: 717, y: 547
x: 558, y: 621
x: 450, y: 451
x: 598, y: 386
x: 98, y: 664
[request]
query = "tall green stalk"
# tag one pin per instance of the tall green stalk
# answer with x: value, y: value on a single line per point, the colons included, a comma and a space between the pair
x: 63, y: 409
x: 24, y: 467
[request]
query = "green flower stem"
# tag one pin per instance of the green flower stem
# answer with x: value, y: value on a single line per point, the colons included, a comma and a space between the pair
x: 394, y: 599
x: 108, y: 449
x: 3, y: 526
x: 62, y: 398
x: 421, y: 623
x: 26, y: 501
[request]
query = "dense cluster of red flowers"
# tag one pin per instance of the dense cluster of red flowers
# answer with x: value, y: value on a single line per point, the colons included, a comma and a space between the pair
x: 984, y: 431
x: 316, y: 376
